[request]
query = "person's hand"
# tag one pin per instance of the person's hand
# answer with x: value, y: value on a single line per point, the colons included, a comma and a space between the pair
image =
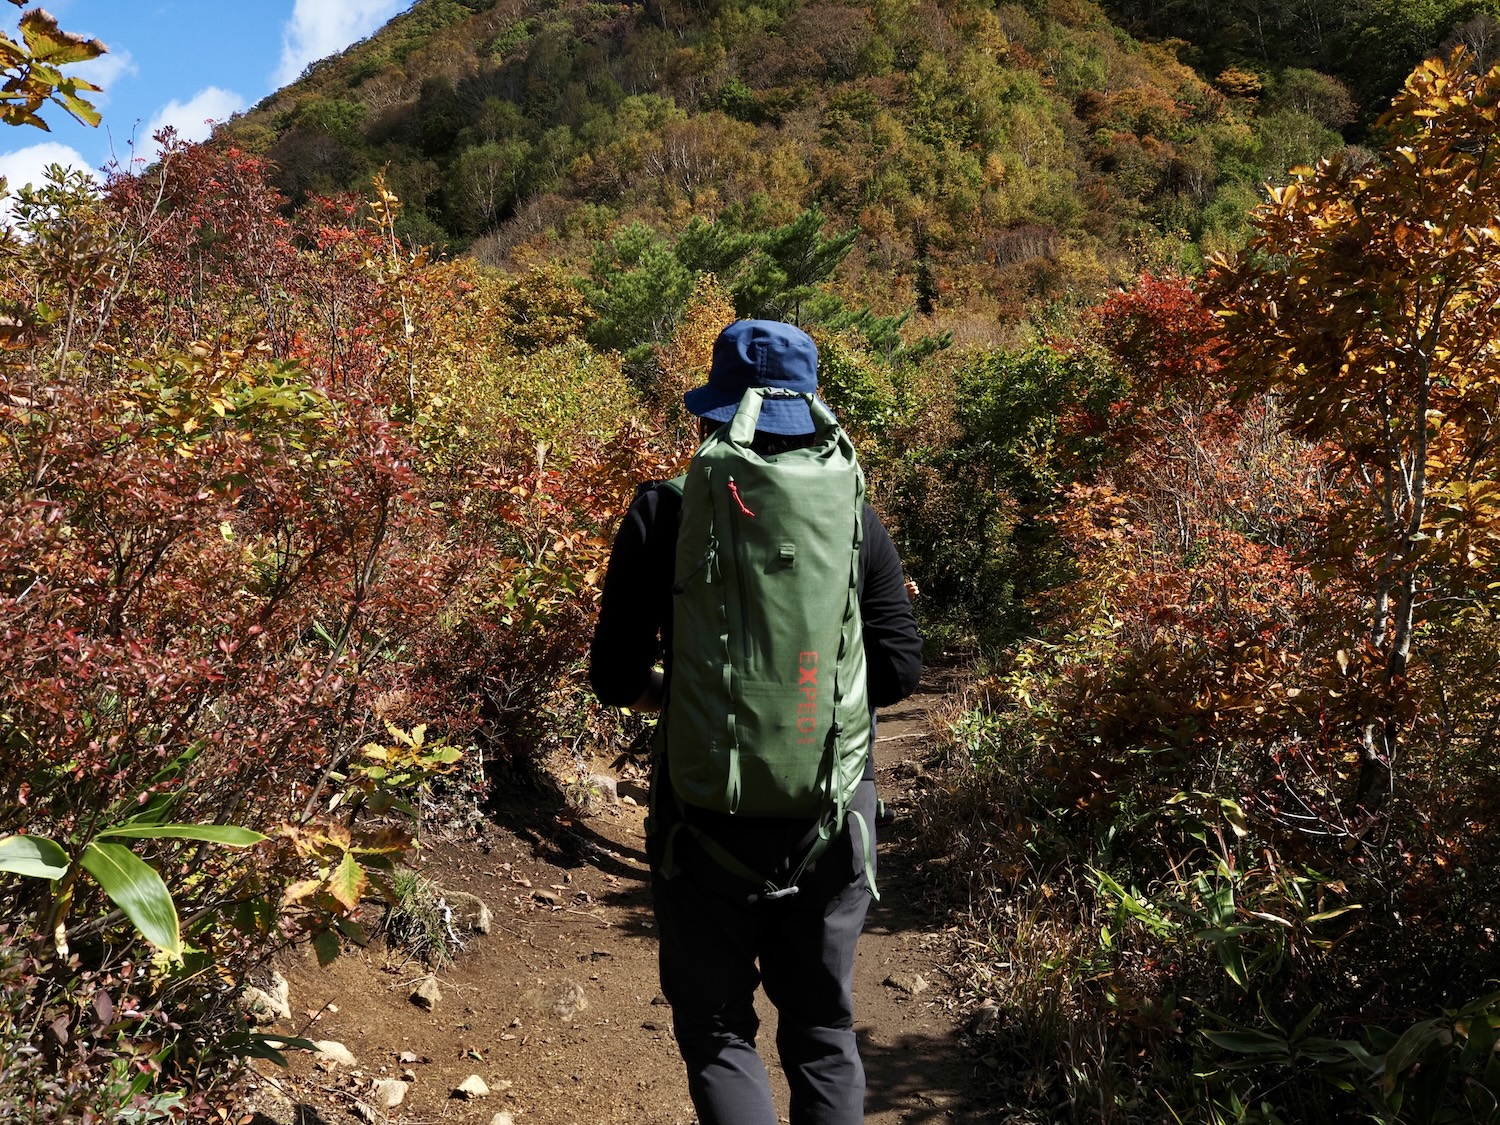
x: 650, y: 701
x: 912, y: 590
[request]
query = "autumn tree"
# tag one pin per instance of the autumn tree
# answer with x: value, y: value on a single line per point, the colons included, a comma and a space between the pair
x: 682, y: 360
x: 1369, y: 302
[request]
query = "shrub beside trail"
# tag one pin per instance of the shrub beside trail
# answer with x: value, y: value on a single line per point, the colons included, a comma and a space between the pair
x: 1228, y: 820
x: 295, y: 521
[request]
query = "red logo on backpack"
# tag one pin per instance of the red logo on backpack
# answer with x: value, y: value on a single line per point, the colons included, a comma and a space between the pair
x: 807, y: 684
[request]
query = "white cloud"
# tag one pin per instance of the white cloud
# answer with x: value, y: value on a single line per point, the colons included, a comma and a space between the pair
x: 29, y: 166
x: 319, y: 28
x: 104, y: 72
x: 191, y: 118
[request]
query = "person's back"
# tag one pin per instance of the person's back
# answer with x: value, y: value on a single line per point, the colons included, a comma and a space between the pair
x: 722, y: 881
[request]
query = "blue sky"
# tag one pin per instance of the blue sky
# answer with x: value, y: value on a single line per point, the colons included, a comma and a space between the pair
x: 180, y: 62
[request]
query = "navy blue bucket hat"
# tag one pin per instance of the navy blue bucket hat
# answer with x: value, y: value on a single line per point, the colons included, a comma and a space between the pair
x: 760, y: 353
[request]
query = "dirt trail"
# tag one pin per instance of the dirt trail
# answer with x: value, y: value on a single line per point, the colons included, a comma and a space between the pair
x: 571, y: 921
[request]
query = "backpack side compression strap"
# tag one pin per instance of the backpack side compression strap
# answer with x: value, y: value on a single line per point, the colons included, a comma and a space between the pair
x: 769, y: 891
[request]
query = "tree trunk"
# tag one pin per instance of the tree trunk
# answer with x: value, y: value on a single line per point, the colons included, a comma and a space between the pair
x: 1381, y: 734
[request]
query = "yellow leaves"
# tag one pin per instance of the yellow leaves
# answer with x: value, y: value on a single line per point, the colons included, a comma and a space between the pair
x: 301, y: 891
x: 1365, y: 289
x: 385, y: 201
x: 1284, y: 197
x: 49, y: 44
x: 34, y: 75
x: 347, y: 865
x: 347, y: 883
x: 385, y: 206
x: 1235, y: 817
x: 685, y: 357
x: 414, y: 741
x: 387, y: 777
x: 562, y: 396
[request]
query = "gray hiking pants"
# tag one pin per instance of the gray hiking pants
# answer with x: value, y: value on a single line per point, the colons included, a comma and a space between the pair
x: 716, y: 947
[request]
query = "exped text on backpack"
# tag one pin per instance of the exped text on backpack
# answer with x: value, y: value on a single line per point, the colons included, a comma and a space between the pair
x: 766, y: 714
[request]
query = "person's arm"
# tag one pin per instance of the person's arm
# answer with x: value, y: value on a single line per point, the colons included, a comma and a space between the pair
x: 893, y: 647
x: 627, y: 637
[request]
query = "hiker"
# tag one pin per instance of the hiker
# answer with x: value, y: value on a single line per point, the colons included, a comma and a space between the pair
x: 751, y: 885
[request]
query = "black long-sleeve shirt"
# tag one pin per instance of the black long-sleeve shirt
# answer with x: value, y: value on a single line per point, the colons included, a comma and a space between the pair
x: 635, y: 613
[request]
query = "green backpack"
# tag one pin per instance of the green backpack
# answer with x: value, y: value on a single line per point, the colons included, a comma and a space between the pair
x: 766, y: 714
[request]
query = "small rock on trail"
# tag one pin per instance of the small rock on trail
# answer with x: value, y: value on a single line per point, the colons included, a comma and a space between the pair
x: 334, y: 1054
x: 265, y: 1005
x: 427, y: 994
x: 913, y: 984
x: 471, y: 1087
x: 469, y: 911
x: 388, y: 1093
x: 563, y: 1000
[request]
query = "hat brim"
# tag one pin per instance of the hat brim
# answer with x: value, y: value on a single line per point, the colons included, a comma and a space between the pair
x: 788, y: 416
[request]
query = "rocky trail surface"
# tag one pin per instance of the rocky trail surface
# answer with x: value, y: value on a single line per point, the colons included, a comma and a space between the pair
x: 554, y: 1014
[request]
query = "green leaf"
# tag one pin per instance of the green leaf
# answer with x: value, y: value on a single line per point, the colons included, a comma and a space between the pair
x: 49, y: 43
x: 259, y: 1045
x: 1247, y: 1042
x: 1480, y: 1008
x: 228, y: 834
x: 1235, y: 816
x: 82, y: 110
x: 138, y: 890
x: 353, y: 931
x: 179, y: 764
x: 20, y: 115
x: 1233, y: 960
x: 1414, y: 1043
x: 347, y: 883
x: 35, y: 856
x: 326, y: 945
x: 1327, y: 914
x: 1359, y: 1054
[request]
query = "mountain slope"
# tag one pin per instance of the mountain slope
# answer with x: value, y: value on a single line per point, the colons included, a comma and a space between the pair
x: 988, y: 159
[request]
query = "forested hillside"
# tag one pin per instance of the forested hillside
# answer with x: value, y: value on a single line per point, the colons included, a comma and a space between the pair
x: 990, y: 161
x: 315, y: 435
x: 1368, y: 45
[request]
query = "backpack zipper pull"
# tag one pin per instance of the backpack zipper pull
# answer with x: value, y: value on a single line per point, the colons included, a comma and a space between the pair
x: 734, y: 490
x: 710, y: 557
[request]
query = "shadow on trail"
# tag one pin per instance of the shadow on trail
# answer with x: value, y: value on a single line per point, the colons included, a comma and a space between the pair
x: 920, y: 1078
x: 916, y: 1077
x: 534, y: 807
